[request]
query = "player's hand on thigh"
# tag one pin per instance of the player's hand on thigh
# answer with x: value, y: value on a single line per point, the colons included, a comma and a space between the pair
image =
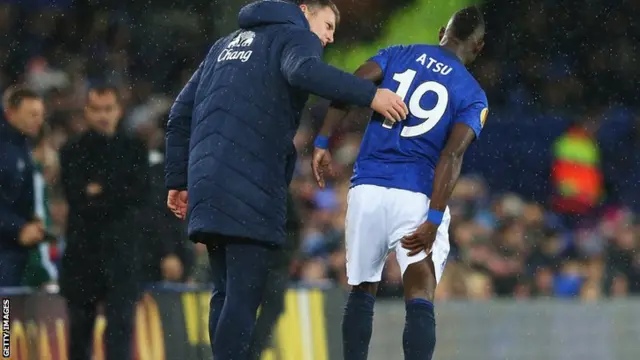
x: 390, y: 105
x: 420, y: 240
x: 321, y: 165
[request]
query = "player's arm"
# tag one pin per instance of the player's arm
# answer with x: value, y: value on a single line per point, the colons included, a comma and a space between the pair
x: 468, y: 126
x: 445, y: 178
x: 321, y: 160
x: 338, y: 110
x: 449, y: 166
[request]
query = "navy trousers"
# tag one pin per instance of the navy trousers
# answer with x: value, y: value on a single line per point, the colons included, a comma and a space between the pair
x: 240, y: 270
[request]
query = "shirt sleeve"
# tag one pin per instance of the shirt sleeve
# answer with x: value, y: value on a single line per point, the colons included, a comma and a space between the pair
x: 474, y: 112
x: 383, y: 56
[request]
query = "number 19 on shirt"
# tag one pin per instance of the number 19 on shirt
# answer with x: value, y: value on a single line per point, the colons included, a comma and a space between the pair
x: 430, y: 117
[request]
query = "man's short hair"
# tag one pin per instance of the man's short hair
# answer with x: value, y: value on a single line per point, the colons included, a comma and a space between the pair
x: 15, y: 95
x: 105, y: 89
x: 321, y: 4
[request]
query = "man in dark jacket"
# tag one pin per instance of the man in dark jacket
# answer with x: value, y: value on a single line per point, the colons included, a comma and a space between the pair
x: 104, y: 175
x: 19, y: 230
x: 230, y: 143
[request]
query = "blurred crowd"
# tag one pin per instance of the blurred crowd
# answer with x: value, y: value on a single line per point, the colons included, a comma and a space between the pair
x: 548, y: 56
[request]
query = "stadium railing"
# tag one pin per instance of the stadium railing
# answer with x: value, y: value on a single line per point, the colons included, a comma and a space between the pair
x: 172, y: 324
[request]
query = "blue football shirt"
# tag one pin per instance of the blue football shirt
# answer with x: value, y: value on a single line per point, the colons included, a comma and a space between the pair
x: 439, y: 92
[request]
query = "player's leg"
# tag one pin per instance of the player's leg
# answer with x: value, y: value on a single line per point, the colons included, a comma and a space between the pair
x: 420, y: 274
x: 248, y: 266
x: 367, y: 249
x: 357, y: 321
x: 419, y: 336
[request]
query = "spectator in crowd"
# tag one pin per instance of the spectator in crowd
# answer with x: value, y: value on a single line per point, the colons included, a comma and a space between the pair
x: 41, y: 267
x: 578, y: 186
x: 104, y: 175
x: 20, y: 229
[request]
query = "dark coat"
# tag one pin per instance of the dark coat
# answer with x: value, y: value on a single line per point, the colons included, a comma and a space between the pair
x: 16, y: 186
x: 230, y: 132
x: 103, y: 230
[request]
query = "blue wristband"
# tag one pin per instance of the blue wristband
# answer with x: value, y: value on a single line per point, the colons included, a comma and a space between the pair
x: 435, y: 216
x: 322, y: 142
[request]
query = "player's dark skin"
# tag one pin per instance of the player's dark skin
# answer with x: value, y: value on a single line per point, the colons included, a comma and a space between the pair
x: 419, y: 279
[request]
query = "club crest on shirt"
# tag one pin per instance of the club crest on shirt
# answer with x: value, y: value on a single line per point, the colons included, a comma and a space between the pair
x: 483, y: 116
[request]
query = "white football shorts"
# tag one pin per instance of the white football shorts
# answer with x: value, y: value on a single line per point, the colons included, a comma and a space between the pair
x: 377, y: 219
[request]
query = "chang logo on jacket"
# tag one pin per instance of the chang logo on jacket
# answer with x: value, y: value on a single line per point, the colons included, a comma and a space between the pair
x: 242, y: 40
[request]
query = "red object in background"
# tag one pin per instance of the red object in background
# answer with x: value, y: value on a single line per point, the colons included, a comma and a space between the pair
x: 578, y: 186
x: 54, y: 252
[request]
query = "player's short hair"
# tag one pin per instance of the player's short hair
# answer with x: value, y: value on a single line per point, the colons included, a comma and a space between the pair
x: 105, y: 89
x: 321, y: 4
x: 15, y: 95
x: 466, y: 21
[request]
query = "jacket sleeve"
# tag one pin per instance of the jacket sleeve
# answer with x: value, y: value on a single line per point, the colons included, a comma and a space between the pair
x: 73, y: 179
x: 132, y: 187
x: 10, y: 222
x: 137, y: 187
x: 302, y: 66
x: 75, y: 176
x: 178, y: 134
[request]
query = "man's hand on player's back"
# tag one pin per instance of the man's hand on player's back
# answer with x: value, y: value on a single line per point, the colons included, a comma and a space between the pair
x: 390, y: 105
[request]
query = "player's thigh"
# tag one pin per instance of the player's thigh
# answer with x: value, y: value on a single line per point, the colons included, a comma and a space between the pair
x: 419, y: 280
x: 409, y: 211
x: 437, y: 256
x: 441, y: 247
x: 365, y: 234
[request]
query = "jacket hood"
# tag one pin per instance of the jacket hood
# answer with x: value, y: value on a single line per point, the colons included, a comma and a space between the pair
x: 271, y: 12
